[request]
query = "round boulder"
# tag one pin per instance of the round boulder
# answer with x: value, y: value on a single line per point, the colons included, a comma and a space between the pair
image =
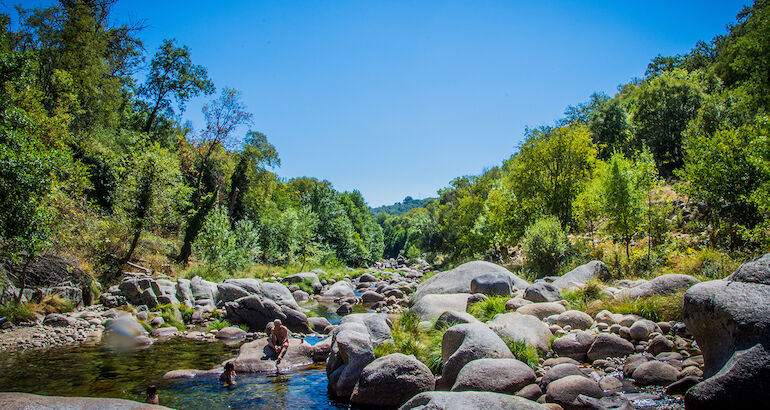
x: 609, y: 345
x: 575, y: 319
x: 491, y: 284
x: 542, y: 292
x: 496, y: 375
x: 655, y: 373
x: 565, y: 391
x: 391, y: 381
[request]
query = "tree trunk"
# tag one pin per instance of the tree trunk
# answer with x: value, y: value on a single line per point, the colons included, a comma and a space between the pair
x: 134, y: 243
x: 23, y: 278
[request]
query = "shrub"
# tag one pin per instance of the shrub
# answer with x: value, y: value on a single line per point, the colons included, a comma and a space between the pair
x: 579, y: 298
x: 523, y: 352
x: 707, y: 263
x: 409, y: 338
x: 486, y: 310
x: 186, y: 312
x: 545, y: 245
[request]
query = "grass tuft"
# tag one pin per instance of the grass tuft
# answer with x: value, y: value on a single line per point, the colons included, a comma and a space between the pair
x: 219, y: 324
x: 486, y: 309
x: 525, y: 353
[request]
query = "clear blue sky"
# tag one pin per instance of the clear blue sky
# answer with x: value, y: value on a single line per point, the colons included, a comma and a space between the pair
x: 398, y: 98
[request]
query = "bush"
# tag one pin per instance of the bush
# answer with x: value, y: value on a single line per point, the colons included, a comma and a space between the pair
x: 486, y: 310
x: 707, y: 263
x: 579, y: 298
x: 186, y: 312
x: 545, y: 246
x: 523, y: 352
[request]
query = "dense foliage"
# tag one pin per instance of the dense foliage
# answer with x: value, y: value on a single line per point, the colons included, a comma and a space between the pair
x: 98, y: 165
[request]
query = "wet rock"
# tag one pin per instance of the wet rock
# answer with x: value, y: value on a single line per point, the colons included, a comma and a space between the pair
x: 582, y: 274
x: 565, y: 391
x: 443, y: 400
x: 526, y: 328
x: 574, y: 345
x: 575, y: 319
x: 391, y: 381
x: 464, y: 343
x: 542, y: 292
x: 655, y: 373
x: 319, y: 324
x: 542, y: 310
x: 495, y: 375
x: 608, y: 345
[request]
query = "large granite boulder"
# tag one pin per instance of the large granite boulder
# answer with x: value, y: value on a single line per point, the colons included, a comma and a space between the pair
x: 609, y: 345
x: 491, y: 284
x: 256, y: 312
x: 204, y: 293
x: 444, y: 400
x: 542, y: 292
x: 731, y: 323
x: 496, y: 375
x: 376, y: 324
x: 340, y: 290
x: 662, y: 285
x: 574, y: 319
x: 458, y: 280
x: 451, y: 318
x: 464, y: 343
x: 34, y: 401
x: 308, y: 277
x: 184, y: 292
x: 258, y: 357
x: 582, y: 274
x: 391, y: 381
x: 432, y: 306
x: 526, y: 328
x: 351, y: 352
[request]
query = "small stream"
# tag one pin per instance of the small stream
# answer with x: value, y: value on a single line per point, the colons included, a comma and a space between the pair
x: 95, y: 371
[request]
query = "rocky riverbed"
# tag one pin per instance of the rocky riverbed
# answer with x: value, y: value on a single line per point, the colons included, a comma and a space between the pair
x: 603, y: 360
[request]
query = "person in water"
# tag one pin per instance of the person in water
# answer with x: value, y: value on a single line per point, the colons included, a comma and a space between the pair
x: 228, y: 376
x: 152, y: 395
x: 279, y: 339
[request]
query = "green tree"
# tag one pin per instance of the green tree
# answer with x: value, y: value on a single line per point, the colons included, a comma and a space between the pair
x: 662, y: 109
x: 621, y: 202
x: 172, y: 77
x: 545, y: 245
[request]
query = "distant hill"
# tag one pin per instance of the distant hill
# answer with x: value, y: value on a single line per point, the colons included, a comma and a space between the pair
x: 400, y: 207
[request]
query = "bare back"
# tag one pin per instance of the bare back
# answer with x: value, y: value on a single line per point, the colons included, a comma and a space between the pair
x: 280, y: 335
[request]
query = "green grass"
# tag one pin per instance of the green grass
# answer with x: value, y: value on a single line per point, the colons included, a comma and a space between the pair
x: 219, y: 324
x: 17, y: 312
x: 656, y: 308
x: 169, y: 314
x: 306, y: 285
x: 525, y: 353
x: 486, y: 309
x: 186, y: 312
x: 410, y: 339
x: 578, y: 299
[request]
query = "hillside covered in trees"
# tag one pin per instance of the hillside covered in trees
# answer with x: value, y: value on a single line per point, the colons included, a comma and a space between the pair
x: 100, y: 167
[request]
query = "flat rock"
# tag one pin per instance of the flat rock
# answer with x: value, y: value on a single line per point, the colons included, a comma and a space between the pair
x: 34, y: 401
x: 662, y: 285
x: 582, y: 274
x: 458, y: 280
x: 542, y: 310
x: 258, y: 357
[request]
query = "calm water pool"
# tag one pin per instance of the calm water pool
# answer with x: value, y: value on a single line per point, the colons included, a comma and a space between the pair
x: 96, y: 371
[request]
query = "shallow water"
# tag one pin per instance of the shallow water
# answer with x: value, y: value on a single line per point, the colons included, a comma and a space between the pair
x: 95, y: 371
